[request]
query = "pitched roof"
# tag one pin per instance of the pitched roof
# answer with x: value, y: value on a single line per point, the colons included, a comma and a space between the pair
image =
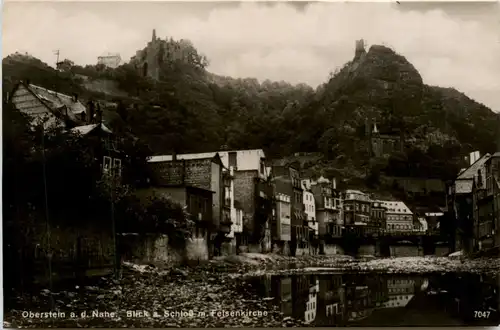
x: 57, y: 100
x: 465, y: 180
x: 352, y: 191
x: 471, y: 171
x: 398, y: 207
x: 85, y: 129
x: 168, y: 158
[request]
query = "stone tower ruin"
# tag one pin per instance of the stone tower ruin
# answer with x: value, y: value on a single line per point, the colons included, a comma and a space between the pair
x: 360, y: 49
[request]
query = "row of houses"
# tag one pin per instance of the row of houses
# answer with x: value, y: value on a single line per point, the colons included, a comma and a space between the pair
x: 252, y: 204
x: 239, y: 200
x: 474, y: 204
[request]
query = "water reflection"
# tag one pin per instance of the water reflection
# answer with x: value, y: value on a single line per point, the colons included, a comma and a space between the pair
x: 383, y: 300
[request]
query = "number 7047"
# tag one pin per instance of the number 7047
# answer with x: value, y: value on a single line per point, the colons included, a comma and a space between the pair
x: 482, y: 314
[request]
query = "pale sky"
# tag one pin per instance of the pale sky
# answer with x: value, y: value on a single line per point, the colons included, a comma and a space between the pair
x: 452, y: 45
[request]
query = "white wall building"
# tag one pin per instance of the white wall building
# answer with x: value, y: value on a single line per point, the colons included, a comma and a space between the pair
x: 310, y: 207
x: 399, y: 216
x: 110, y: 60
x: 236, y: 214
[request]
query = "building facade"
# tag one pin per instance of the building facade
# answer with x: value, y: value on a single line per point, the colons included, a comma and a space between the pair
x: 254, y: 193
x: 486, y: 206
x: 200, y: 171
x: 460, y: 203
x: 310, y: 207
x: 287, y: 181
x: 357, y: 212
x: 399, y: 217
x: 383, y: 143
x: 281, y: 228
x: 109, y: 60
x: 379, y: 215
x: 328, y: 211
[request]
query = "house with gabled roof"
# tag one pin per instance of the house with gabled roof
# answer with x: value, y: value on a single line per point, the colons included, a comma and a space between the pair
x: 486, y: 207
x: 247, y: 171
x: 49, y: 107
x: 461, y: 202
x: 203, y: 171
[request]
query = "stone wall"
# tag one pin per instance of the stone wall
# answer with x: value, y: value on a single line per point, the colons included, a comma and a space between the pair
x: 281, y: 247
x: 331, y: 249
x: 95, y: 244
x: 228, y: 248
x: 302, y: 251
x: 406, y: 251
x: 367, y: 250
x: 86, y: 248
x: 197, y: 249
x: 442, y: 251
x: 155, y: 248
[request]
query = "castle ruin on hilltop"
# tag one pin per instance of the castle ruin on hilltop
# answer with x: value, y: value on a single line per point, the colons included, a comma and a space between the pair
x: 360, y: 49
x: 158, y: 52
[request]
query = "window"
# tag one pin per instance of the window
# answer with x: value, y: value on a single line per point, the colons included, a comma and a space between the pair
x: 106, y: 164
x: 117, y: 167
x: 205, y: 203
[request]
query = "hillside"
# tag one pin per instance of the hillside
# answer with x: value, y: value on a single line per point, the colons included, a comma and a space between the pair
x: 192, y: 110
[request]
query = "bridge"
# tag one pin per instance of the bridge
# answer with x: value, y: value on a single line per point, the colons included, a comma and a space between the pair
x: 385, y: 243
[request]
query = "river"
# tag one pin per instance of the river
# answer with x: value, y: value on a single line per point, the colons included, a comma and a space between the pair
x: 347, y: 299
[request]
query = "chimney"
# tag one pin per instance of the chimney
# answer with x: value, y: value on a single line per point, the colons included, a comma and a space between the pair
x: 75, y: 97
x: 91, y: 112
x: 334, y: 183
x: 472, y: 157
x: 174, y: 156
x: 154, y: 35
x: 98, y: 114
x: 233, y: 159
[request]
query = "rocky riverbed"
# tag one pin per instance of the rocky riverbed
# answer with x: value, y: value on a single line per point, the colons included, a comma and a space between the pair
x: 208, y: 295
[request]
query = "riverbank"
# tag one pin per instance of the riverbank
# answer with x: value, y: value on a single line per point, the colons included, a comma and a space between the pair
x: 254, y: 263
x: 200, y: 294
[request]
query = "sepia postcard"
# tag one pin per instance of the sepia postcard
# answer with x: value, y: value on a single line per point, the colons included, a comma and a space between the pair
x: 250, y: 164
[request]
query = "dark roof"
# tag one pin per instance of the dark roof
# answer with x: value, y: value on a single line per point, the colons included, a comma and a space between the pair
x: 206, y: 155
x: 86, y: 129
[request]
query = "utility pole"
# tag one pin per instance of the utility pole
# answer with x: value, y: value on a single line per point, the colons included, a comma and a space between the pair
x: 56, y: 52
